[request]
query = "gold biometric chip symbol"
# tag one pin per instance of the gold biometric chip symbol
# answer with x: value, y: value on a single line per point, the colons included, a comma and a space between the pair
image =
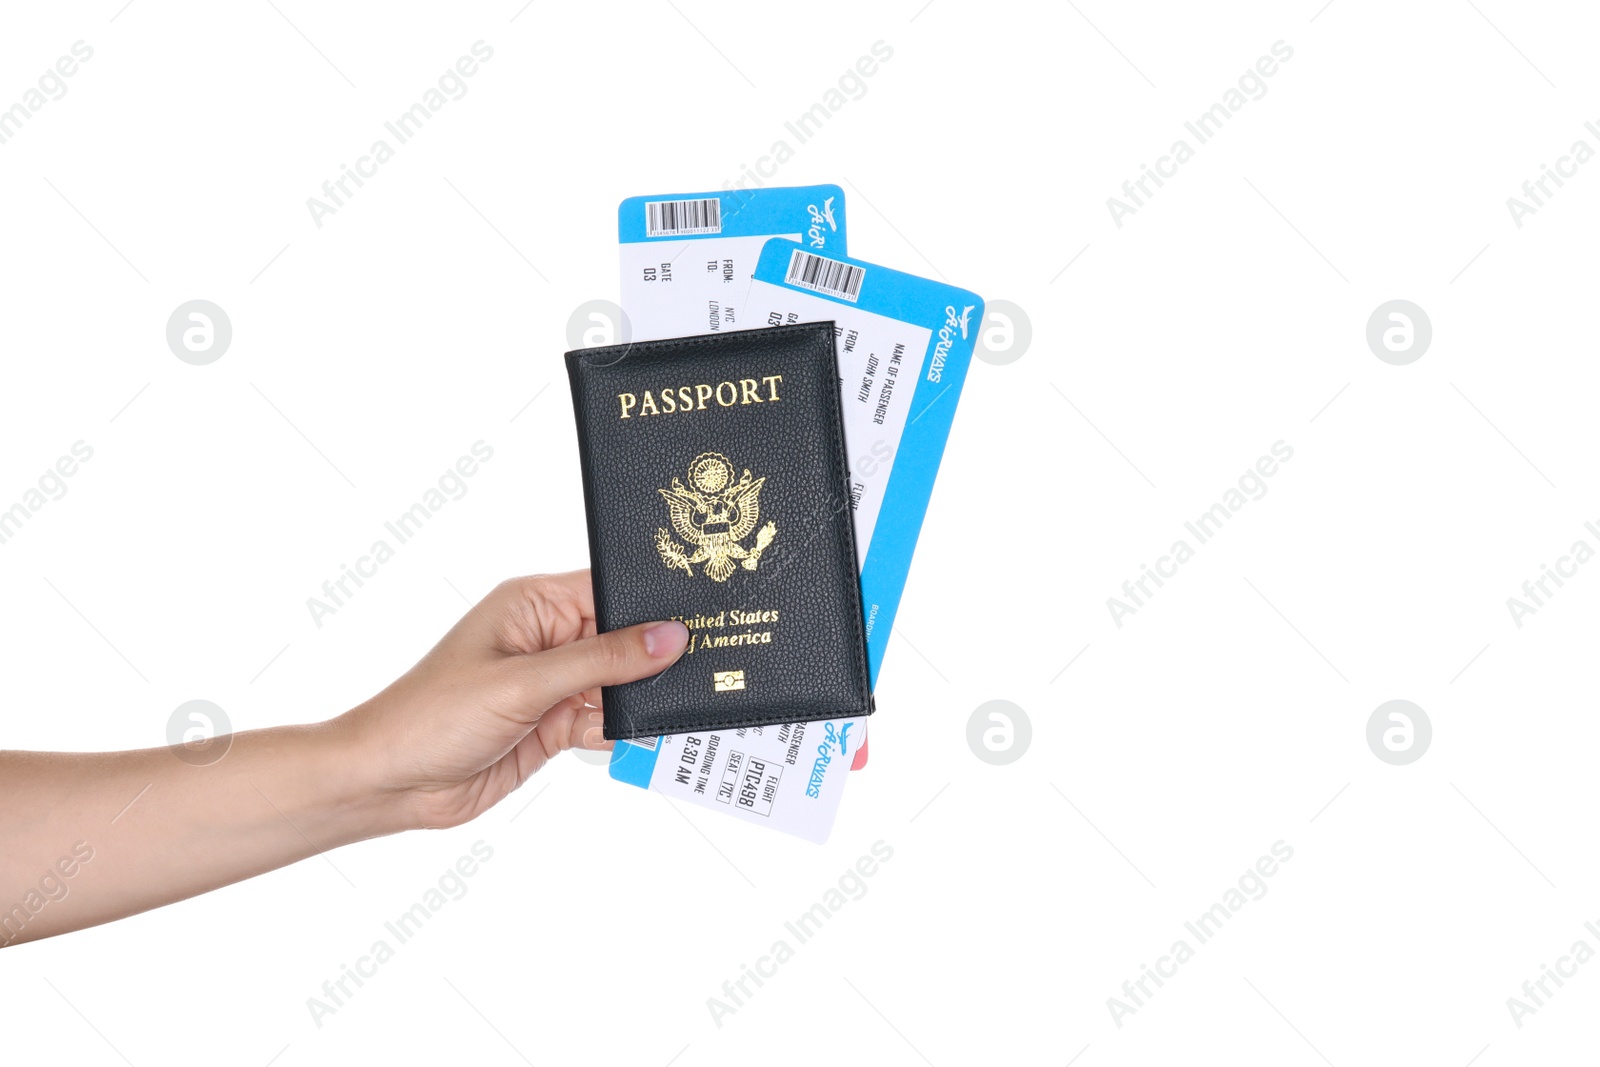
x: 713, y: 514
x: 724, y: 681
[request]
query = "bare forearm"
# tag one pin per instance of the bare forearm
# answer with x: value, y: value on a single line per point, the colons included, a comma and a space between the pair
x: 87, y: 838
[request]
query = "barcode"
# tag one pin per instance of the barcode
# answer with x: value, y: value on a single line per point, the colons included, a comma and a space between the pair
x: 825, y: 275
x: 663, y: 218
x: 645, y: 742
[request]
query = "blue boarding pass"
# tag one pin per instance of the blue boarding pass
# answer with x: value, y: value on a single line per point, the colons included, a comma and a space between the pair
x: 687, y: 258
x: 904, y: 345
x: 788, y: 778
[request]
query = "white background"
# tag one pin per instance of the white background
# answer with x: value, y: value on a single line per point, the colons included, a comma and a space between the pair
x: 1227, y: 714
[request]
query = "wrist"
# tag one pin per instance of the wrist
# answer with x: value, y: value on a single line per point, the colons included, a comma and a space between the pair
x: 355, y: 797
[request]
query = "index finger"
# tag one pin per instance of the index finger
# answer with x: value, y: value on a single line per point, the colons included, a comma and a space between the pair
x: 541, y: 611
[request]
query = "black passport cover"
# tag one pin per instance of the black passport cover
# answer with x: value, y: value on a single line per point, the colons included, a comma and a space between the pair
x: 718, y: 493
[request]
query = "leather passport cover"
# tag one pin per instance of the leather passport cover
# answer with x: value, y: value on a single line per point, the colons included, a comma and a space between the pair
x: 717, y: 493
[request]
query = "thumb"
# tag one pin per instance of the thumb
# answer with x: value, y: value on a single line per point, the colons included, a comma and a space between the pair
x: 613, y: 658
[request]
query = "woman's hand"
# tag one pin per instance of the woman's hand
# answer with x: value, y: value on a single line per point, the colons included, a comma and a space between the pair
x: 514, y: 683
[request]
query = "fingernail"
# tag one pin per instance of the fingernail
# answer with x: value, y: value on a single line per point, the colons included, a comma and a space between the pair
x: 665, y: 639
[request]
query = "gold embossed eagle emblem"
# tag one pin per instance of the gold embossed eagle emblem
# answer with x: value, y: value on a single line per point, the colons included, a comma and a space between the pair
x: 713, y: 514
